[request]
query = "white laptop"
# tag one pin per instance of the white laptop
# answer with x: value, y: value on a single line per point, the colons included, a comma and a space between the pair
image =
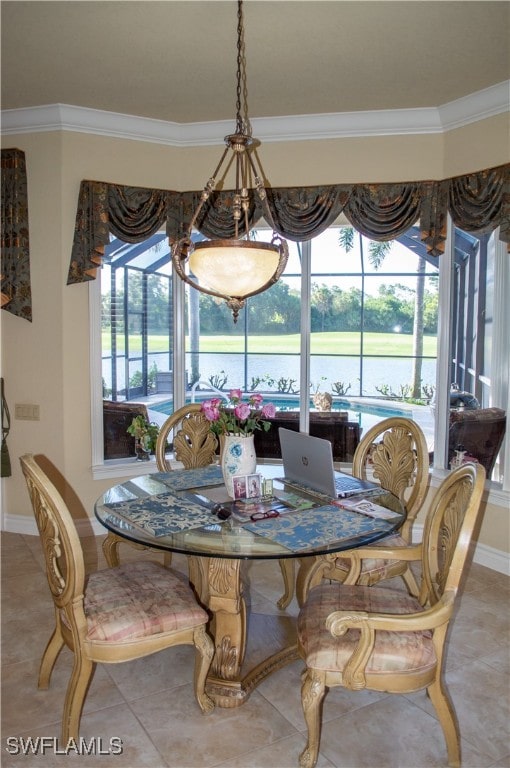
x: 308, y: 461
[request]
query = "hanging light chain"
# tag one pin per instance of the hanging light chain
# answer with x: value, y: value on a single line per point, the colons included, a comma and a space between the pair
x: 239, y: 119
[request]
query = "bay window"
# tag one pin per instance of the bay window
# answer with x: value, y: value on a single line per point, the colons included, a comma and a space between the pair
x: 364, y: 321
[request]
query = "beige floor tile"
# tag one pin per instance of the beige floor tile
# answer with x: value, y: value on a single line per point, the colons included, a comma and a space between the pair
x: 28, y: 590
x: 149, y: 703
x: 100, y: 735
x: 482, y: 702
x: 281, y: 754
x: 500, y: 661
x: 24, y: 636
x: 480, y: 576
x: 174, y: 722
x: 17, y: 557
x: 167, y: 669
x: 266, y: 579
x: 283, y: 691
x: 26, y: 707
x: 503, y: 763
x: 391, y: 733
x: 480, y: 696
x: 477, y: 629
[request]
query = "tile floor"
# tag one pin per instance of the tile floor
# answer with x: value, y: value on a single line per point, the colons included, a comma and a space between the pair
x: 149, y: 703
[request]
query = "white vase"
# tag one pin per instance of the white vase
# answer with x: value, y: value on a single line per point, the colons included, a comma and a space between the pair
x: 237, y: 458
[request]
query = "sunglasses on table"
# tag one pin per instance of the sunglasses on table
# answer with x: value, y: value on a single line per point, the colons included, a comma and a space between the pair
x: 264, y: 515
x: 223, y: 513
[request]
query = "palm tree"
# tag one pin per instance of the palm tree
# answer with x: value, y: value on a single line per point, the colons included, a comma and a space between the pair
x: 377, y: 252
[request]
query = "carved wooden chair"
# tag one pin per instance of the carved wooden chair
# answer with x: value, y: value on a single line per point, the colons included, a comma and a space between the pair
x: 384, y: 639
x: 193, y: 442
x: 188, y: 431
x: 113, y: 615
x: 393, y: 452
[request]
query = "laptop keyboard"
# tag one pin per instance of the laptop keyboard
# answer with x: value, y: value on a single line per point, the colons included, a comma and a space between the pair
x: 346, y: 484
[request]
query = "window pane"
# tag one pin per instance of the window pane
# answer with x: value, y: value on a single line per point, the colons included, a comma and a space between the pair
x: 136, y: 321
x: 373, y: 316
x: 248, y: 355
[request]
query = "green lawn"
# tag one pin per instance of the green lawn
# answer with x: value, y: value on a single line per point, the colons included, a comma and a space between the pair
x: 393, y: 344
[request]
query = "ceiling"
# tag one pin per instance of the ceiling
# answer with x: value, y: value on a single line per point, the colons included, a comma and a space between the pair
x: 176, y: 61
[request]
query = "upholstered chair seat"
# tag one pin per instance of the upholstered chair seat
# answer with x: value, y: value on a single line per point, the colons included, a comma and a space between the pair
x: 393, y: 652
x: 138, y: 600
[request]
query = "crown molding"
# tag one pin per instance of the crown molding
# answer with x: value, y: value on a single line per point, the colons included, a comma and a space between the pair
x: 66, y: 117
x: 477, y: 106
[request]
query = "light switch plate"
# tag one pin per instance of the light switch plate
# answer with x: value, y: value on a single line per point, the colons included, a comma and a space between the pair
x: 26, y: 411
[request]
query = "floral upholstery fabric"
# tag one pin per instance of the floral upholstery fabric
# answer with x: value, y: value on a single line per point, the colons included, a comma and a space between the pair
x: 393, y: 651
x: 374, y: 569
x: 136, y: 600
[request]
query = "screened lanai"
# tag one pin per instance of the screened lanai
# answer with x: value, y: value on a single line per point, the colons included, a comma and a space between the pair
x: 137, y: 314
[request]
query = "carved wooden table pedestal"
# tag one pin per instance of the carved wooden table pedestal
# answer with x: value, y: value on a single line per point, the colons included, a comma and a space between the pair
x: 220, y: 588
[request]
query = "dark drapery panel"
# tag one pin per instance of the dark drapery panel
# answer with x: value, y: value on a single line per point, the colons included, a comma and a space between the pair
x: 130, y: 213
x: 135, y: 213
x: 478, y: 202
x: 433, y: 216
x: 16, y: 296
x: 91, y: 232
x: 304, y: 212
x: 384, y: 211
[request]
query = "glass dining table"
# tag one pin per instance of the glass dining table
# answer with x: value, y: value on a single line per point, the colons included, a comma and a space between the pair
x: 188, y: 511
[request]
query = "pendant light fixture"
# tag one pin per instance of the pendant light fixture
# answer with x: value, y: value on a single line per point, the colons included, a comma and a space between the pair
x: 234, y: 269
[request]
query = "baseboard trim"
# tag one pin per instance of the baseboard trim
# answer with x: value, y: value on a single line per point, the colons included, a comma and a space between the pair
x: 26, y: 526
x: 495, y: 559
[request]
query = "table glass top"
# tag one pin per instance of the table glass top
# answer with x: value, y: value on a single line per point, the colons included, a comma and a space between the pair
x: 182, y: 511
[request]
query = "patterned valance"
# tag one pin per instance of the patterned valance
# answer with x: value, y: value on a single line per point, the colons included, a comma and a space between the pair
x: 16, y: 296
x: 478, y: 203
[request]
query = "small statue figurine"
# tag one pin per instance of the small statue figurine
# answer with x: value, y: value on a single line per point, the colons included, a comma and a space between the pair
x: 459, y: 458
x: 322, y: 401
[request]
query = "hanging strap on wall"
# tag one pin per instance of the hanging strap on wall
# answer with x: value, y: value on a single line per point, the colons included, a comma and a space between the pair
x: 6, y: 426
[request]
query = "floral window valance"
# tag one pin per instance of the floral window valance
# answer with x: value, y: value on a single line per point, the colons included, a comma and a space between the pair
x: 478, y: 202
x: 15, y: 268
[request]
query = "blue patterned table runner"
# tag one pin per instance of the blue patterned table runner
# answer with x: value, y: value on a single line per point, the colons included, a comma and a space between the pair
x: 184, y: 479
x: 163, y: 514
x: 314, y: 528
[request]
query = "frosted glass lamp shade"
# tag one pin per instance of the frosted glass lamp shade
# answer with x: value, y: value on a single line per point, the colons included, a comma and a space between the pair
x: 237, y: 268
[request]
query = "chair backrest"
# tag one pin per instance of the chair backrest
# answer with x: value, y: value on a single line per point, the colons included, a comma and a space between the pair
x: 193, y: 442
x: 117, y: 417
x: 61, y: 545
x: 344, y: 435
x: 396, y: 452
x: 449, y: 529
x: 480, y: 432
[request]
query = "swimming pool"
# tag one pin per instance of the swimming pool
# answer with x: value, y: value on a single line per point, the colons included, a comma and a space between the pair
x: 366, y: 414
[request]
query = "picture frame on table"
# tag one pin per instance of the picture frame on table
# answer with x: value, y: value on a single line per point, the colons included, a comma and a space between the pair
x: 247, y: 486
